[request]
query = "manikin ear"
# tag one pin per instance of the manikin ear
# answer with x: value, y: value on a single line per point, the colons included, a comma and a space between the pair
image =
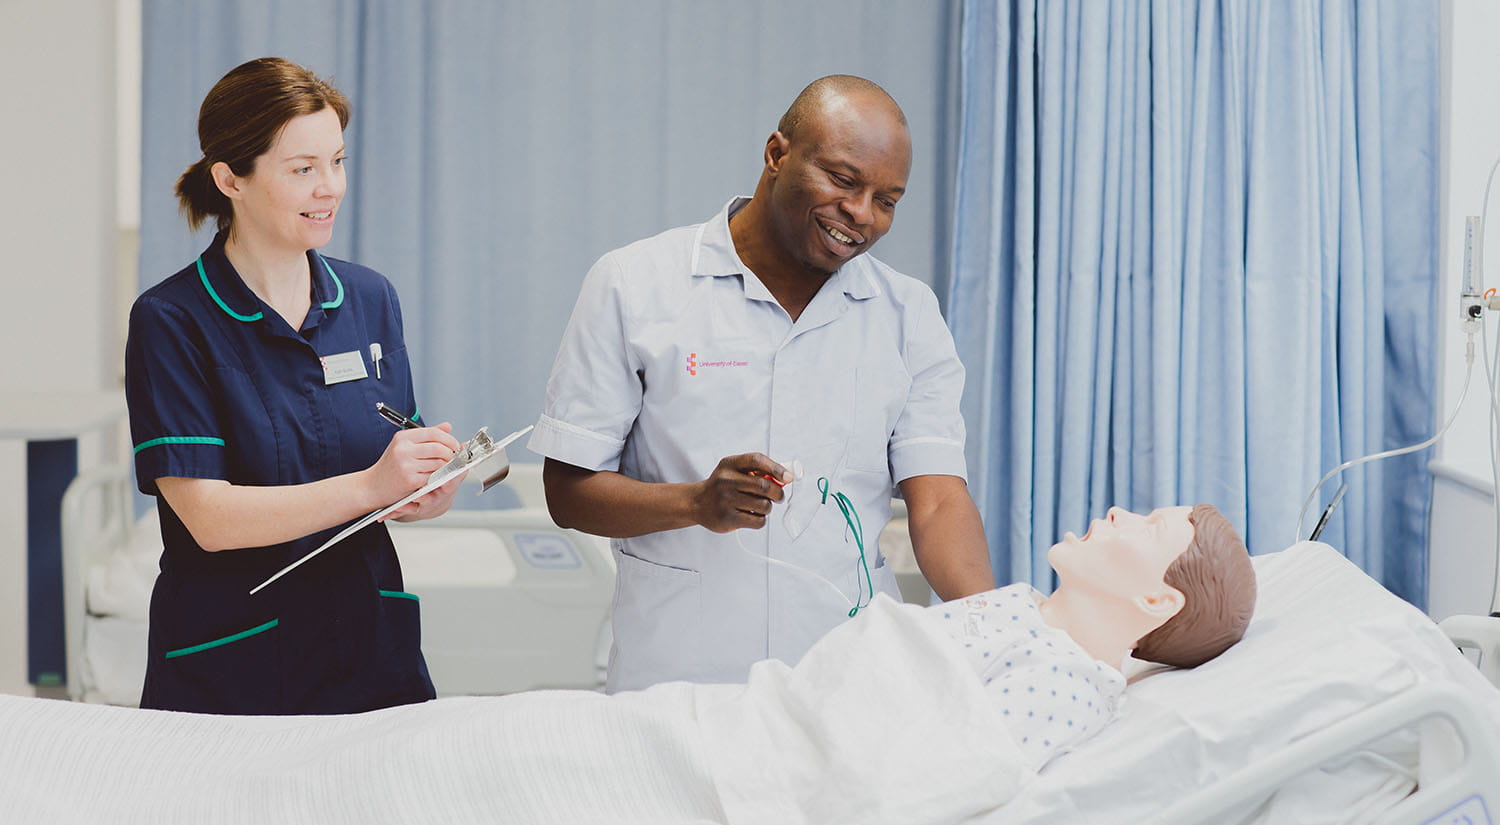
x: 227, y: 181
x: 1162, y: 604
x: 777, y: 148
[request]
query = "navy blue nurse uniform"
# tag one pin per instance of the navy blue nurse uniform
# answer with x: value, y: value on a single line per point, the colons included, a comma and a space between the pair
x: 220, y: 386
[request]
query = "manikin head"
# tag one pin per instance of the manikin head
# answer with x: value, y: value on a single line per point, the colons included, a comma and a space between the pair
x: 1175, y: 586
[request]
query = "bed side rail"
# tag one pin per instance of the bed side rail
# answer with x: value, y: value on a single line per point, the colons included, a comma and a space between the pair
x: 1467, y: 778
x: 97, y: 515
x: 1481, y: 633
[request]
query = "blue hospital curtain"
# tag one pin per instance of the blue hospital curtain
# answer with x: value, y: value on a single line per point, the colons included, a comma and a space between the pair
x: 1195, y: 261
x: 498, y: 147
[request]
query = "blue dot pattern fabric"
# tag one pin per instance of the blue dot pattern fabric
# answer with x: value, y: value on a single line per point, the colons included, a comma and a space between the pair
x: 1052, y: 694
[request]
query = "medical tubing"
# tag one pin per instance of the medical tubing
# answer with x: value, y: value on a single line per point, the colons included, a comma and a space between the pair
x: 852, y: 520
x: 1469, y: 373
x: 1491, y: 378
x: 1494, y: 423
x: 788, y: 565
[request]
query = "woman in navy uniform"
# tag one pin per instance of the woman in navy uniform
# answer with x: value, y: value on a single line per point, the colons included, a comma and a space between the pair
x: 252, y: 377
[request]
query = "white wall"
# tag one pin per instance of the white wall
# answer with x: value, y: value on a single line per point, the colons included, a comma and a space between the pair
x: 1462, y: 546
x: 58, y: 230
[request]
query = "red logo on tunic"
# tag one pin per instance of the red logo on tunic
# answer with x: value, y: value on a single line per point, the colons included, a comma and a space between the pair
x: 693, y: 364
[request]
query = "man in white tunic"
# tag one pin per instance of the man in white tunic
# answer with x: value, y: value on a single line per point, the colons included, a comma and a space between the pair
x: 695, y: 358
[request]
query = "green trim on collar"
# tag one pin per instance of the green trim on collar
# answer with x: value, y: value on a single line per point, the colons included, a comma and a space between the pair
x: 180, y: 439
x: 338, y: 301
x: 203, y: 276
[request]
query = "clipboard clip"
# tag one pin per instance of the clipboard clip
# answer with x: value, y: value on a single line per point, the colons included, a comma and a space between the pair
x: 482, y: 449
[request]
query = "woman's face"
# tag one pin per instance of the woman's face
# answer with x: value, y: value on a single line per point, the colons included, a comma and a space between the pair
x: 1123, y: 554
x: 291, y: 198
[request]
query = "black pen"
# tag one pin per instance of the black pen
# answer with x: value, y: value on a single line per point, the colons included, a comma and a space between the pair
x: 389, y: 414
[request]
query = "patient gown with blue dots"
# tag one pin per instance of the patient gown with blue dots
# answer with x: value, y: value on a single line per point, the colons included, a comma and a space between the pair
x: 1052, y: 693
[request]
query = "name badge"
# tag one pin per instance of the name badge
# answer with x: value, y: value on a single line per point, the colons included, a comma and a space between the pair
x: 345, y: 366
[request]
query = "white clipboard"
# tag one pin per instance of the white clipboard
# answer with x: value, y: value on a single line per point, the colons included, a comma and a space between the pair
x: 475, y: 451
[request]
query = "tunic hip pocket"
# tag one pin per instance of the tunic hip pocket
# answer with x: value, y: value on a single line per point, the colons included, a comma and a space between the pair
x: 657, y: 623
x: 235, y: 673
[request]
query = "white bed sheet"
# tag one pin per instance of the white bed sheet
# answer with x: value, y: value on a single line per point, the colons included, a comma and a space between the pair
x: 1326, y: 641
x: 813, y: 745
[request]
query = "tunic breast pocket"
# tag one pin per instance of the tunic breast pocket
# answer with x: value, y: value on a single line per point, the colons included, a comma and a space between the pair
x: 880, y: 393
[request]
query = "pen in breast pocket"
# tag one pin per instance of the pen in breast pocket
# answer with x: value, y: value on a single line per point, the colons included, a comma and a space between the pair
x: 389, y: 414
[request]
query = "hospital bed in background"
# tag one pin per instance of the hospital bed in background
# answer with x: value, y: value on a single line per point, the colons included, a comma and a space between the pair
x: 510, y: 602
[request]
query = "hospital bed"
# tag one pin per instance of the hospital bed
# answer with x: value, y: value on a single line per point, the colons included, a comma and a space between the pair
x: 1343, y: 704
x: 510, y: 601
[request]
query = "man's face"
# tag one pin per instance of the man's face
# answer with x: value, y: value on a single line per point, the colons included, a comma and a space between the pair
x: 1123, y: 554
x: 836, y: 185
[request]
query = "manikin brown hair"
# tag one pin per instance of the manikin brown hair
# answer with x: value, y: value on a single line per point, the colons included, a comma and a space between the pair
x: 1215, y: 575
x: 240, y: 119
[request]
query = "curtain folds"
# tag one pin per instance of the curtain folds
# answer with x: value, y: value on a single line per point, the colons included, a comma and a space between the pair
x: 1195, y: 260
x: 499, y: 147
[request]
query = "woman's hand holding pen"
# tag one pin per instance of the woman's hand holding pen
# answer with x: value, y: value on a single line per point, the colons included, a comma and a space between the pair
x: 411, y: 456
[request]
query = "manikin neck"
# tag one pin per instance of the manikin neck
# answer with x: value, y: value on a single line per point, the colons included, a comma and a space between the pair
x: 1107, y: 631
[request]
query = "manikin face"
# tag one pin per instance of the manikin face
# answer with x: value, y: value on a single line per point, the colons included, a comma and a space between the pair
x: 837, y: 184
x: 290, y: 199
x: 1123, y: 555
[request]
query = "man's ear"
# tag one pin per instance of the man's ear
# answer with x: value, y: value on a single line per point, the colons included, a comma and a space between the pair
x: 777, y: 148
x: 1162, y: 604
x: 227, y: 181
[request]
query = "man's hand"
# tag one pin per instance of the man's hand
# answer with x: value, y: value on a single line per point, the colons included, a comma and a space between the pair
x: 739, y: 493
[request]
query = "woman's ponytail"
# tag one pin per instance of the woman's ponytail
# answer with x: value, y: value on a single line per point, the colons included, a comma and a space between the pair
x: 199, y: 198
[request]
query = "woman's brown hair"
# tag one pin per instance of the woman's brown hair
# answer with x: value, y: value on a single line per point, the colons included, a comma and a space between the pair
x: 240, y: 119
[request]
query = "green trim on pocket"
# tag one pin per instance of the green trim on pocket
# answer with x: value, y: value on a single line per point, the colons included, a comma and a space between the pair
x: 179, y: 439
x: 183, y: 651
x: 397, y: 594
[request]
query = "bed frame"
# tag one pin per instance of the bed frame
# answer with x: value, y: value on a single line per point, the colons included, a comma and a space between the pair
x: 1458, y: 779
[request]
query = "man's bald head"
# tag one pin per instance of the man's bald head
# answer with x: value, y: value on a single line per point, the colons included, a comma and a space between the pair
x: 834, y: 170
x: 820, y: 93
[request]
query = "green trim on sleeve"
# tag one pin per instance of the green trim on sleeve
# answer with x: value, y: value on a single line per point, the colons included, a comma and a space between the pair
x: 179, y: 439
x: 184, y: 651
x: 203, y: 276
x: 397, y: 594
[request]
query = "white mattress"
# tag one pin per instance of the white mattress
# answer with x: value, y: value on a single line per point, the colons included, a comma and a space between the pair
x: 1326, y: 641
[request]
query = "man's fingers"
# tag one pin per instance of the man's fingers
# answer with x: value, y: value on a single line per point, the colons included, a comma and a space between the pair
x: 761, y: 464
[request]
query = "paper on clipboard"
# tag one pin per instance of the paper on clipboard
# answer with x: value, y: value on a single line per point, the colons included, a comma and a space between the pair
x: 476, y: 450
